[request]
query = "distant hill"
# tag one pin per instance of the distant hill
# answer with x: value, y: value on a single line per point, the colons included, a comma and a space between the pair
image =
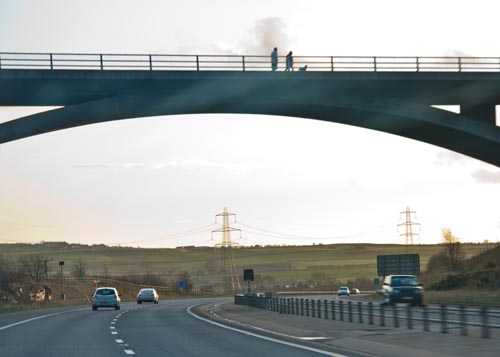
x: 279, y: 265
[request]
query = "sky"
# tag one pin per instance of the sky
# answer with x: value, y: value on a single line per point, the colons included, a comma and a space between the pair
x: 159, y: 182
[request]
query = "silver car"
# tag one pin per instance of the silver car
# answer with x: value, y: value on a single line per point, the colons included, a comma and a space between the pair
x: 149, y: 295
x: 106, y: 297
x: 343, y: 290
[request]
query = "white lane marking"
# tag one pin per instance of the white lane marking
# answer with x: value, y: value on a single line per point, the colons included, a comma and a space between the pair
x: 129, y: 352
x: 264, y: 337
x: 38, y: 318
x: 114, y: 333
x: 112, y: 327
x: 119, y: 341
x: 314, y: 338
x: 113, y: 322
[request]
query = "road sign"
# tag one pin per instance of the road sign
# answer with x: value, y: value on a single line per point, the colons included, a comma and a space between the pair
x: 398, y: 264
x: 248, y: 274
x: 181, y: 284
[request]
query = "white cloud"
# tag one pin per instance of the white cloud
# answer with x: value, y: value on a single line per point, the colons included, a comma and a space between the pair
x: 450, y: 158
x: 234, y: 167
x: 486, y: 176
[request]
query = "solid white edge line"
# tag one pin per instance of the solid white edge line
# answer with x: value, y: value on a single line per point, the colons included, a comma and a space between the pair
x: 38, y: 318
x: 188, y: 310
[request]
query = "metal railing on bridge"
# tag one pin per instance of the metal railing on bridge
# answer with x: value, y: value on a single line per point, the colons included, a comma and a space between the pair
x: 163, y: 62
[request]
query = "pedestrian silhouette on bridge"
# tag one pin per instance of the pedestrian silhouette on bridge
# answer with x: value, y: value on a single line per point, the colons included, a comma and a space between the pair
x: 289, y: 62
x: 274, y: 59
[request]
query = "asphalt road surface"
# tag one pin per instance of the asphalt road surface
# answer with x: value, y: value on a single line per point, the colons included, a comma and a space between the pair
x: 166, y: 329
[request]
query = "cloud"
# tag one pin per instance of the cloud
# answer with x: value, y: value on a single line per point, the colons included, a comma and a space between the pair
x: 456, y: 53
x: 486, y: 176
x: 450, y: 158
x: 234, y: 167
x: 266, y: 34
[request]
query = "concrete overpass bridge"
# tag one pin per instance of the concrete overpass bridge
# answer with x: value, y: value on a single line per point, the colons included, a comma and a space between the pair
x: 389, y: 94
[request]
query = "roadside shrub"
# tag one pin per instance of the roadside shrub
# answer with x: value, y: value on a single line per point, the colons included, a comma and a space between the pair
x: 452, y: 281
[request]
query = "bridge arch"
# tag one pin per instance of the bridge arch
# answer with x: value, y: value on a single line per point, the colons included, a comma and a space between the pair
x: 396, y: 103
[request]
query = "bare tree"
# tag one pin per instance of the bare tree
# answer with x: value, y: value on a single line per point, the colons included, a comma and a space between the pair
x: 454, y: 253
x: 34, y: 266
x: 79, y: 270
x: 105, y: 272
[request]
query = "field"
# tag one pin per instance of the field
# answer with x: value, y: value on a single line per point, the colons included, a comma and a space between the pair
x: 284, y: 265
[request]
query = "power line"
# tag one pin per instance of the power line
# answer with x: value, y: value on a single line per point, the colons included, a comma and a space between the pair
x: 274, y: 234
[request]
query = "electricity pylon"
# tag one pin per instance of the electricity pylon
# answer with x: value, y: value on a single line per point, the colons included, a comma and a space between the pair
x: 226, y: 246
x: 409, y: 233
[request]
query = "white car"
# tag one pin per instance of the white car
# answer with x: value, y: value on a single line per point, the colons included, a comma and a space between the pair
x: 344, y: 290
x: 355, y: 291
x: 106, y: 297
x: 148, y: 294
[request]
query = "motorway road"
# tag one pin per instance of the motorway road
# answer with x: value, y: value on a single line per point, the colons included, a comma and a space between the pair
x: 166, y: 329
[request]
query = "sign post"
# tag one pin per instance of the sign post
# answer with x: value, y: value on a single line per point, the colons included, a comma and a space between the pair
x: 63, y: 296
x: 248, y: 277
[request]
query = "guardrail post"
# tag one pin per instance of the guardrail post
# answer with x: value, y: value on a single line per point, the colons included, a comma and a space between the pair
x: 326, y: 309
x: 341, y: 310
x: 243, y: 62
x: 331, y: 64
x: 460, y: 64
x: 102, y: 63
x: 463, y: 320
x: 307, y: 307
x: 51, y: 62
x: 289, y: 306
x: 333, y: 310
x: 418, y: 64
x: 409, y: 318
x: 319, y: 309
x: 360, y: 312
x: 382, y: 316
x: 374, y: 64
x: 150, y: 62
x: 395, y: 315
x: 425, y: 313
x: 370, y: 313
x: 485, y: 331
x: 197, y: 63
x: 313, y: 308
x: 302, y: 307
x: 349, y: 310
x: 444, y: 328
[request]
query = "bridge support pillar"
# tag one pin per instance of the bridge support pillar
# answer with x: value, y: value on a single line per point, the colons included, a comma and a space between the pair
x: 484, y: 112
